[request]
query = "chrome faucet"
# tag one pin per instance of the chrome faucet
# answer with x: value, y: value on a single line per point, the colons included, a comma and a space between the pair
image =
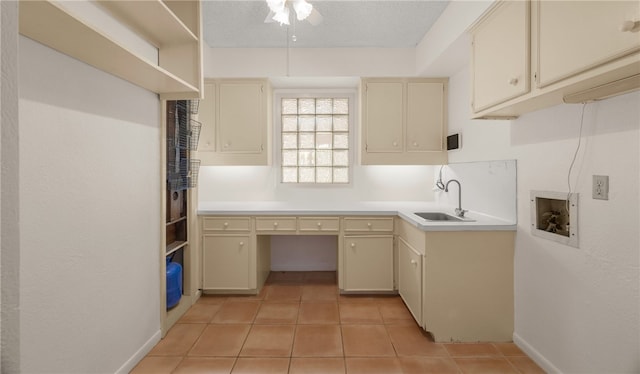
x: 459, y: 211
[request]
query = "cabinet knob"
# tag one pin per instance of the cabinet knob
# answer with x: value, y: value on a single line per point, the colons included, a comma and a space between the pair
x: 414, y: 262
x: 319, y: 224
x: 353, y: 245
x: 628, y: 25
x: 415, y: 144
x: 275, y: 224
x: 241, y: 243
x: 226, y: 224
x: 226, y: 145
x: 395, y: 144
x: 513, y: 81
x: 369, y: 224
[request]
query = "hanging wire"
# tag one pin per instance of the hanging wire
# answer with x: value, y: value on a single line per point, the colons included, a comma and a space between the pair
x: 439, y: 183
x: 575, y: 156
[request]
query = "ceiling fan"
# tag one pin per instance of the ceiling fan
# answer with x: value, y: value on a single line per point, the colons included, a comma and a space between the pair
x: 279, y: 12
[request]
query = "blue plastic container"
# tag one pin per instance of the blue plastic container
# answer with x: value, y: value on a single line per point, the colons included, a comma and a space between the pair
x: 174, y: 283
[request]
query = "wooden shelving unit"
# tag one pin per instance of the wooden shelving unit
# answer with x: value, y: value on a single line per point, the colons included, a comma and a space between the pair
x: 176, y: 75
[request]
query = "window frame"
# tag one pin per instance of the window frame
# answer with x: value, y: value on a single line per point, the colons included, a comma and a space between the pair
x: 279, y: 94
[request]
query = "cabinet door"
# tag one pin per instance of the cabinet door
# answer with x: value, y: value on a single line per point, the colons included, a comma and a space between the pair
x: 383, y: 116
x: 500, y: 55
x: 207, y: 117
x: 241, y: 117
x: 425, y: 117
x: 410, y: 278
x: 368, y: 263
x: 575, y: 36
x: 226, y: 262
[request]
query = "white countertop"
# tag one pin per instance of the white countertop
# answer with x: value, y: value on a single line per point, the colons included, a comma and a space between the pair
x: 404, y: 209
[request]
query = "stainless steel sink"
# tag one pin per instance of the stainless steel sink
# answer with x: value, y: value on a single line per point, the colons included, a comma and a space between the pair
x: 439, y: 216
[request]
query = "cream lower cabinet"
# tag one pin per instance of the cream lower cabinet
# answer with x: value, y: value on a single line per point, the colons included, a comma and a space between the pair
x: 410, y: 278
x: 227, y: 264
x: 466, y: 282
x: 367, y: 255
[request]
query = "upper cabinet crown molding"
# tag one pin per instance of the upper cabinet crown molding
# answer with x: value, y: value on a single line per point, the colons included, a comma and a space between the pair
x: 174, y: 29
x: 576, y: 51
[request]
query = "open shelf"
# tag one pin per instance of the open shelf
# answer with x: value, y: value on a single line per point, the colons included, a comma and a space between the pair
x: 172, y: 247
x: 153, y: 19
x: 48, y: 23
x: 176, y: 221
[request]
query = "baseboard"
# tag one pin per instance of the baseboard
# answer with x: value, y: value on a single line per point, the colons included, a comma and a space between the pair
x: 536, y: 356
x: 139, y: 355
x: 304, y: 267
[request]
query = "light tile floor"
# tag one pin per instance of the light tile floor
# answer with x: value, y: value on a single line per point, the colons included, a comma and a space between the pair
x: 299, y: 324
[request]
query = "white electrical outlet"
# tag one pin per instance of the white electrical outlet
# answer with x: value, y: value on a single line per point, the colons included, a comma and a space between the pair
x: 601, y: 187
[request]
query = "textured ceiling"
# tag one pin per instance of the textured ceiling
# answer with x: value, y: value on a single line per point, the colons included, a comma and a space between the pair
x: 346, y: 24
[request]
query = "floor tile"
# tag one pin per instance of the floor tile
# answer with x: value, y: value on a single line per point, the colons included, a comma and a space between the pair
x: 317, y: 341
x: 319, y: 313
x: 320, y: 277
x: 413, y: 341
x: 319, y: 292
x: 200, y: 313
x: 472, y: 350
x: 283, y: 293
x: 373, y: 366
x: 525, y: 365
x: 221, y: 340
x: 205, y: 365
x: 349, y: 299
x: 286, y: 277
x: 157, y: 365
x: 212, y: 299
x: 269, y: 341
x: 484, y: 365
x: 509, y: 349
x: 395, y: 313
x: 237, y: 312
x: 428, y: 365
x: 261, y: 366
x: 367, y: 313
x: 366, y: 340
x: 314, y: 365
x: 178, y: 340
x: 277, y: 313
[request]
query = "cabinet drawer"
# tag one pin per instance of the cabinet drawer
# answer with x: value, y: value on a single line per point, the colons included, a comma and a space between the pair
x: 227, y: 224
x: 371, y: 224
x: 276, y: 224
x: 324, y: 224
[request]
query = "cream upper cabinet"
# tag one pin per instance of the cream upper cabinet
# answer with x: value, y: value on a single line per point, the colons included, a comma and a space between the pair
x: 531, y: 55
x: 403, y: 121
x: 575, y: 36
x: 235, y: 119
x: 500, y: 55
x: 384, y: 114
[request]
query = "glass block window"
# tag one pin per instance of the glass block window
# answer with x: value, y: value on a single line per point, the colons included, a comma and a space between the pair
x: 315, y: 140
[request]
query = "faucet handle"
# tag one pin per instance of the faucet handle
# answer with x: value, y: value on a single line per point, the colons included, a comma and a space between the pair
x: 460, y: 212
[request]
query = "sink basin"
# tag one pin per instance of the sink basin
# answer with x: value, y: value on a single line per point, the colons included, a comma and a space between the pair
x: 438, y: 216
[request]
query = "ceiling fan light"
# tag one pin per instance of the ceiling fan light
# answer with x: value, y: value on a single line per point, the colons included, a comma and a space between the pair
x: 282, y: 16
x: 276, y: 6
x: 302, y: 8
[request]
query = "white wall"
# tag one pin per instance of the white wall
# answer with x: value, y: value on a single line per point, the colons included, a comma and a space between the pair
x: 9, y: 194
x: 576, y: 309
x: 89, y: 207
